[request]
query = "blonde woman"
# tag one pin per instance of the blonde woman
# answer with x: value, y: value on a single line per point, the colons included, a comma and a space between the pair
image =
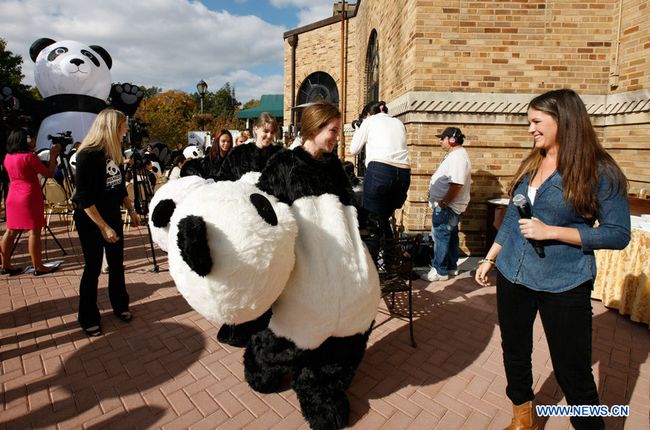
x: 99, y: 195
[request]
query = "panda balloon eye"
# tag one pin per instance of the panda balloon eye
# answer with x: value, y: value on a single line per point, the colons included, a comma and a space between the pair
x: 56, y: 52
x: 91, y: 57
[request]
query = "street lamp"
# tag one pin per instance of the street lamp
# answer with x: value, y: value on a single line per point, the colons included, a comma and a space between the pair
x: 202, y: 88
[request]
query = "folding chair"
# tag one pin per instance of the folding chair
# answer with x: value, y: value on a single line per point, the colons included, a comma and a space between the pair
x: 395, y: 266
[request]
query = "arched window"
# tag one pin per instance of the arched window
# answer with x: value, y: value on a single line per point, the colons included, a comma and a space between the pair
x: 317, y: 86
x: 372, y: 88
x: 372, y: 69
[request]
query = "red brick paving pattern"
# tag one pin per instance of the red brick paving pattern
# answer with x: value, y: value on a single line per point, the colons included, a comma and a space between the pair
x: 166, y: 370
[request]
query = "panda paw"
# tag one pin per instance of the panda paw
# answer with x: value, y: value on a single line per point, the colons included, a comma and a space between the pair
x: 126, y: 97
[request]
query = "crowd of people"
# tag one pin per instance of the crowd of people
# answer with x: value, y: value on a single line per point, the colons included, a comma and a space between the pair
x: 572, y: 194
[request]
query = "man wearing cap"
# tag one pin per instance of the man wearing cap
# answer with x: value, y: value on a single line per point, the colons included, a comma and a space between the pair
x: 448, y: 196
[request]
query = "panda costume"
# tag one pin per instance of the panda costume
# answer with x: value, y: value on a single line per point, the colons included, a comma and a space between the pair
x: 240, y: 161
x: 290, y: 242
x: 321, y: 322
x: 245, y: 158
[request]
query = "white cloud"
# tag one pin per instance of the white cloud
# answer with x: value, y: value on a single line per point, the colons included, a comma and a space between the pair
x: 309, y: 11
x: 167, y: 43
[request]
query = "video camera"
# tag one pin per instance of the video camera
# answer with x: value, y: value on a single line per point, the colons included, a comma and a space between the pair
x: 64, y: 139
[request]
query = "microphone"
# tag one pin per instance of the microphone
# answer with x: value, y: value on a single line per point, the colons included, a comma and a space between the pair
x: 525, y: 212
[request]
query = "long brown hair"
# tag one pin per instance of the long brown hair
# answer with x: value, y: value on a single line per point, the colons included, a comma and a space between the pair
x: 581, y: 158
x: 215, y: 150
x: 315, y: 117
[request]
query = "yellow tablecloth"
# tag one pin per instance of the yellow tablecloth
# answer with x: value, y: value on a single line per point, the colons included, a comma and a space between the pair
x: 623, y: 280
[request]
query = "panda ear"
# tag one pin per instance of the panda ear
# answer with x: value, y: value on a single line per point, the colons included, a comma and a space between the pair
x: 38, y: 46
x: 193, y: 244
x: 163, y: 212
x: 104, y: 54
x: 264, y: 208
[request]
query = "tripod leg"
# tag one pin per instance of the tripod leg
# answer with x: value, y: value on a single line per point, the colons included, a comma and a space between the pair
x: 13, y: 247
x: 47, y: 227
x: 153, y: 251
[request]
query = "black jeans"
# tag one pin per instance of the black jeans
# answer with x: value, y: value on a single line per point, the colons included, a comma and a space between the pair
x: 93, y: 245
x: 566, y: 318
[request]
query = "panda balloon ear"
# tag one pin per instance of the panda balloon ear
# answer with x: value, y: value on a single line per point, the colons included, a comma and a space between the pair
x: 163, y: 212
x: 193, y: 244
x: 38, y: 46
x: 104, y: 54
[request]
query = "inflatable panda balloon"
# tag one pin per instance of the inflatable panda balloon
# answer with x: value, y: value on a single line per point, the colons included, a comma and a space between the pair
x: 75, y: 82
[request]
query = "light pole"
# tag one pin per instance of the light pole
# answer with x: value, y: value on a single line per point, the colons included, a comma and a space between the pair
x: 202, y: 88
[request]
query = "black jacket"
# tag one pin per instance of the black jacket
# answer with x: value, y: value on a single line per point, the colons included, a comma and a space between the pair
x: 292, y: 174
x: 243, y: 159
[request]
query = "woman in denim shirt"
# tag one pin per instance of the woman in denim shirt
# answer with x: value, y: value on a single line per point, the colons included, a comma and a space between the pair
x: 570, y: 182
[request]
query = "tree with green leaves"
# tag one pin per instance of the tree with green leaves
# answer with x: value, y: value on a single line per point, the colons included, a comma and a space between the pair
x: 11, y: 66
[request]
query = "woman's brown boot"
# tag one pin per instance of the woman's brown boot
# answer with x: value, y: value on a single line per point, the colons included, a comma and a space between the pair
x: 523, y: 417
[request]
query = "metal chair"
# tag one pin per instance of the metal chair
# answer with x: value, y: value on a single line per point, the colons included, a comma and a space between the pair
x: 395, y: 266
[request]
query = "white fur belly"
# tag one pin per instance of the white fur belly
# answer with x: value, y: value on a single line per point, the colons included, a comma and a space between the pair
x: 334, y: 287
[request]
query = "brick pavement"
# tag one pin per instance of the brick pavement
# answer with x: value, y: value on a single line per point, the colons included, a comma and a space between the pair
x: 166, y: 370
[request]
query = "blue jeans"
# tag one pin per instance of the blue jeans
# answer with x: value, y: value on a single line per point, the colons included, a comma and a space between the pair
x: 385, y: 188
x: 444, y: 226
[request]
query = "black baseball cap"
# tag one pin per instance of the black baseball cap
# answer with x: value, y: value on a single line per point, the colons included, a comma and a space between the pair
x: 452, y: 132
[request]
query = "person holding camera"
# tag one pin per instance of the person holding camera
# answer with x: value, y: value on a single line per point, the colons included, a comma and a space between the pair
x: 388, y: 171
x: 99, y: 195
x: 25, y: 207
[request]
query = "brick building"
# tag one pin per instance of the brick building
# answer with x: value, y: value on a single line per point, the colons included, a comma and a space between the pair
x: 475, y: 65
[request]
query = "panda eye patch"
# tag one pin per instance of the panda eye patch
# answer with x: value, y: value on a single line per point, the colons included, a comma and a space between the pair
x: 56, y: 52
x: 91, y: 57
x: 264, y: 208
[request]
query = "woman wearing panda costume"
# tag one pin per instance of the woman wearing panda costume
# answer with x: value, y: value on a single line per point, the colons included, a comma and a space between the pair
x: 321, y: 322
x: 250, y: 157
x: 99, y: 194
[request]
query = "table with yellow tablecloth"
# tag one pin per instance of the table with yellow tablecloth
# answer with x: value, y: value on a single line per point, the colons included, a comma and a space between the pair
x: 623, y: 280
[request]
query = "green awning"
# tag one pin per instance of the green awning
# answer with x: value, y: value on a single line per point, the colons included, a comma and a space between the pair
x: 271, y: 103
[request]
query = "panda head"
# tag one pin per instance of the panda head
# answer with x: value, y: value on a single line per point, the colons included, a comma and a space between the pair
x: 231, y: 250
x: 193, y: 152
x: 166, y: 199
x: 70, y: 67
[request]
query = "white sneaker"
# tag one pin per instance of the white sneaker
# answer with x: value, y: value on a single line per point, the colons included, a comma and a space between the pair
x: 433, y: 276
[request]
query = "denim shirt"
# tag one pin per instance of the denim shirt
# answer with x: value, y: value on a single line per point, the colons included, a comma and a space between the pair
x: 564, y: 266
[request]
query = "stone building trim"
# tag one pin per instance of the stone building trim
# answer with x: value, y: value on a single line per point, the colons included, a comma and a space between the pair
x: 631, y: 107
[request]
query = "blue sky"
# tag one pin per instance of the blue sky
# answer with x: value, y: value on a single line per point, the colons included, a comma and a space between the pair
x: 170, y: 44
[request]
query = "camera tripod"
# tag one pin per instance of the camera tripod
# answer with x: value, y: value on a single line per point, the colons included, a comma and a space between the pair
x: 142, y: 194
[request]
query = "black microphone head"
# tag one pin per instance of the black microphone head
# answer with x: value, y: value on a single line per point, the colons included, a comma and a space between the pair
x: 519, y: 200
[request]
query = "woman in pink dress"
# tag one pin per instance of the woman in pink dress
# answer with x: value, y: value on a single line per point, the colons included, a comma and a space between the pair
x: 25, y: 200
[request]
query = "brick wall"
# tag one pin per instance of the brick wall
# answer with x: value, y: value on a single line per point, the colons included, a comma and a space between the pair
x: 508, y: 49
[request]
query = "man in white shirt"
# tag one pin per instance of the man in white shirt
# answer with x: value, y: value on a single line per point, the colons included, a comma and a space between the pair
x: 449, y: 190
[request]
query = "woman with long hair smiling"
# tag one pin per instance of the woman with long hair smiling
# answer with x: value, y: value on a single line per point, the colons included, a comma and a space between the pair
x: 545, y: 263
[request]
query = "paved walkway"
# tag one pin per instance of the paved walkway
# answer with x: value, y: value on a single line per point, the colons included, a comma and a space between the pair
x: 166, y: 370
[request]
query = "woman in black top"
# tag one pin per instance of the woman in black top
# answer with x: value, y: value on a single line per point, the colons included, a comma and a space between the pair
x: 251, y: 157
x: 99, y: 195
x: 220, y: 148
